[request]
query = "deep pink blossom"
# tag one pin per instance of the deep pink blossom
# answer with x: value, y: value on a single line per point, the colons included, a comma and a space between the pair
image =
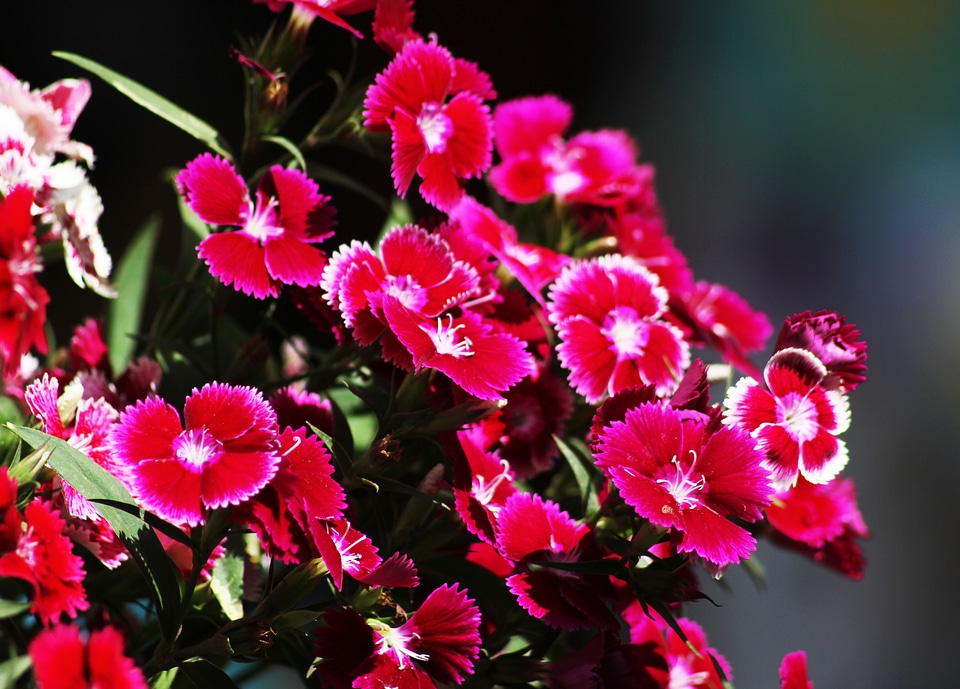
x: 346, y: 549
x: 300, y: 493
x: 675, y: 470
x: 482, y: 483
x: 223, y: 453
x: 433, y: 107
x: 821, y: 521
x: 439, y: 643
x: 607, y: 312
x: 278, y: 228
x: 328, y: 10
x: 834, y: 341
x: 795, y: 419
x: 690, y: 664
x: 23, y: 300
x: 793, y: 671
x: 393, y: 24
x: 62, y: 659
x: 33, y: 548
x: 531, y: 531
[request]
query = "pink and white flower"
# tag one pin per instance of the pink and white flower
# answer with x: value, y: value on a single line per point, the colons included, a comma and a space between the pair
x: 274, y: 245
x: 607, y: 312
x: 674, y: 469
x: 223, y: 453
x: 432, y: 104
x: 834, y: 341
x: 794, y: 418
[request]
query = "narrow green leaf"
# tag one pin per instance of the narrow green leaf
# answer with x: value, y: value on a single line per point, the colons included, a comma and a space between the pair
x: 206, y: 675
x: 323, y: 173
x: 290, y: 148
x: 164, y: 680
x: 11, y: 670
x: 153, y: 102
x: 582, y: 476
x: 96, y: 483
x: 125, y: 312
x: 11, y: 608
x: 227, y: 585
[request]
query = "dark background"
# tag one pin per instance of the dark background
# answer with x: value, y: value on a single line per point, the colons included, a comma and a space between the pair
x: 808, y: 156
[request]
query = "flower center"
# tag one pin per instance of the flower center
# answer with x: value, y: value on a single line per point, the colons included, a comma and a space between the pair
x: 525, y: 417
x: 683, y: 677
x: 626, y: 331
x: 407, y: 291
x: 446, y: 341
x: 435, y: 127
x: 261, y: 220
x: 798, y: 415
x: 683, y: 489
x: 484, y: 491
x: 196, y: 448
x: 397, y: 641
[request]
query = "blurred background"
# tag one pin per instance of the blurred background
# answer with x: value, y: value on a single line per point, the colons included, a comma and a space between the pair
x: 808, y: 156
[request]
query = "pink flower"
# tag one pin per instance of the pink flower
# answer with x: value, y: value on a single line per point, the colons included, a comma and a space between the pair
x: 346, y: 549
x: 63, y: 660
x: 530, y: 531
x: 328, y: 10
x: 793, y: 671
x: 34, y: 549
x: 23, y: 300
x: 675, y: 470
x: 482, y: 484
x: 393, y: 24
x: 823, y: 522
x: 437, y: 644
x: 690, y: 664
x: 607, y: 312
x: 833, y: 341
x: 443, y: 141
x: 223, y: 454
x: 795, y: 419
x: 273, y: 246
x: 302, y: 491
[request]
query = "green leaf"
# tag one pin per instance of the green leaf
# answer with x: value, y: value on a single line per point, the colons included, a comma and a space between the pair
x: 164, y: 680
x: 323, y: 173
x: 11, y: 608
x: 153, y: 102
x: 206, y: 675
x: 290, y: 148
x: 132, y: 276
x: 96, y: 483
x: 582, y: 476
x: 11, y: 670
x: 227, y: 585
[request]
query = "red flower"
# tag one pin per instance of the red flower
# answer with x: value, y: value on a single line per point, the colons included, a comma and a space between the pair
x: 443, y: 141
x: 223, y: 454
x: 62, y: 660
x: 793, y: 671
x: 674, y: 470
x: 833, y: 341
x: 607, y: 314
x: 274, y: 245
x: 690, y: 663
x: 795, y: 419
x: 34, y: 549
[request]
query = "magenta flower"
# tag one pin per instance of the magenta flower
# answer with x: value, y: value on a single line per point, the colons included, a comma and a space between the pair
x: 795, y: 419
x: 274, y: 245
x: 670, y: 467
x: 823, y: 522
x: 62, y: 659
x: 443, y: 141
x: 793, y: 671
x: 482, y: 483
x: 532, y: 530
x: 223, y: 454
x: 833, y: 341
x: 689, y: 663
x: 607, y: 312
x: 437, y: 644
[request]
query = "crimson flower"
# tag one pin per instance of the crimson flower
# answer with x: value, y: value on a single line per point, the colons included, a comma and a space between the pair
x: 795, y: 418
x: 675, y: 470
x: 443, y: 141
x: 530, y: 531
x: 223, y: 454
x: 34, y: 549
x: 690, y: 663
x: 273, y: 246
x: 793, y: 671
x: 63, y: 660
x: 607, y: 312
x: 834, y: 341
x: 437, y: 644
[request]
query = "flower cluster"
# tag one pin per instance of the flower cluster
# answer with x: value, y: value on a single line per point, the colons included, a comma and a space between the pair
x: 485, y: 446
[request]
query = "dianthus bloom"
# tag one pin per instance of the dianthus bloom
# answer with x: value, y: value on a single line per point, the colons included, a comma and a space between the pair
x: 63, y: 660
x: 795, y: 419
x: 437, y: 644
x: 832, y: 340
x: 690, y: 663
x: 224, y: 453
x: 793, y: 671
x: 443, y: 141
x: 674, y: 469
x: 34, y: 549
x: 274, y: 245
x: 607, y: 314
